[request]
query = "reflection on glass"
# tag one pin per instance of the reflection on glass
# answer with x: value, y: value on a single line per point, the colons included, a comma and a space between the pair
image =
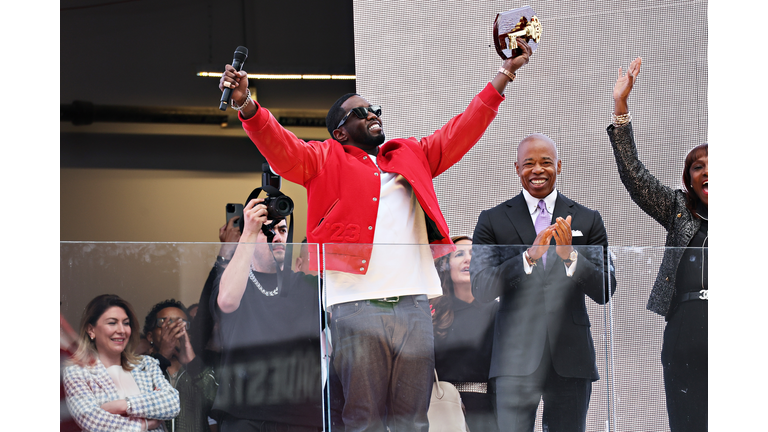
x: 268, y: 317
x: 463, y: 330
x: 260, y: 361
x: 107, y: 385
x: 642, y: 337
x: 543, y: 346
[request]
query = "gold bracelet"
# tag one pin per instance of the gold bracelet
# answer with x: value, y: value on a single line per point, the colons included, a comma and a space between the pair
x: 621, y: 120
x: 510, y: 75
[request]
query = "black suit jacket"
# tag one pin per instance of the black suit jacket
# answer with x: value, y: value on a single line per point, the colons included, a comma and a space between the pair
x: 547, y: 304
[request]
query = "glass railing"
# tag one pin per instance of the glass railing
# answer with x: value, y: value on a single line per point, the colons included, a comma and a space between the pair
x: 364, y: 341
x: 255, y: 335
x: 492, y: 316
x: 656, y: 284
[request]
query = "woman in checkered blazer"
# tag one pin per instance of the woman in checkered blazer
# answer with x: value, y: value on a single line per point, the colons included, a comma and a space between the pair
x: 108, y: 387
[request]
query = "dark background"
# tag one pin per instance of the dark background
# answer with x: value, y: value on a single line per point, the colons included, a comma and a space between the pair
x: 139, y: 59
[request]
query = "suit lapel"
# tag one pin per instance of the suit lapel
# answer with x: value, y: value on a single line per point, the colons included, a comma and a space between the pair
x: 520, y: 218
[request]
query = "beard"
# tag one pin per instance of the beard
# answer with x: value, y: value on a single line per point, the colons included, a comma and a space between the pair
x: 376, y: 140
x: 368, y: 140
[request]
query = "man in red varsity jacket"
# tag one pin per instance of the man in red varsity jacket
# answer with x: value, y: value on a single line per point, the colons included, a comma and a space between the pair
x: 362, y: 192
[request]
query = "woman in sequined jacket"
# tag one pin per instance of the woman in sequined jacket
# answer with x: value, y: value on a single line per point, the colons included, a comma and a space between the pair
x: 680, y: 291
x: 108, y: 387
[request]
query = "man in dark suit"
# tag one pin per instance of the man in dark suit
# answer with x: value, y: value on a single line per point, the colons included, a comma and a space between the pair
x: 542, y: 345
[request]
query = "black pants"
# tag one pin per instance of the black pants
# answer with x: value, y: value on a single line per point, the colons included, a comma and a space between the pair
x: 684, y: 360
x: 480, y: 415
x: 234, y: 424
x: 566, y: 400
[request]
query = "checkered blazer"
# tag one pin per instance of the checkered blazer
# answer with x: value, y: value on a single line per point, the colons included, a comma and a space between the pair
x: 89, y: 387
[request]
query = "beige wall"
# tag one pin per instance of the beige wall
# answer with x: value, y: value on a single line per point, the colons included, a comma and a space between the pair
x: 148, y: 206
x: 157, y: 205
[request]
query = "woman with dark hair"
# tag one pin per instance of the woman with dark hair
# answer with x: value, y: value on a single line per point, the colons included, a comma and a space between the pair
x: 464, y: 336
x: 108, y: 387
x: 680, y: 291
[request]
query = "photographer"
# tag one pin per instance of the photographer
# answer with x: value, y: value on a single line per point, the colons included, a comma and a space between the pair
x: 270, y: 375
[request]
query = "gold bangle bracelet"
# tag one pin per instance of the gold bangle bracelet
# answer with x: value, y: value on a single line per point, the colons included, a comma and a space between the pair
x: 510, y: 75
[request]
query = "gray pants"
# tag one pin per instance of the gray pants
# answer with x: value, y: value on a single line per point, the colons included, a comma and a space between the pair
x: 383, y: 354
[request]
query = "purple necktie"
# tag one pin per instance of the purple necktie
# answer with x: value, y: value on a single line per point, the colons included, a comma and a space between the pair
x: 542, y: 221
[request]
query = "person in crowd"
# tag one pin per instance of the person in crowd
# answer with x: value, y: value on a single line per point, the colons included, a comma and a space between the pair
x: 108, y: 387
x: 203, y: 330
x: 680, y: 291
x: 363, y: 190
x: 269, y: 318
x: 68, y: 346
x: 144, y: 347
x: 302, y: 261
x: 166, y: 327
x: 464, y: 336
x: 192, y: 310
x: 542, y: 347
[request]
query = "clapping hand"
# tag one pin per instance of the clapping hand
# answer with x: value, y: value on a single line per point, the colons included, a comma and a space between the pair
x: 541, y: 244
x: 563, y: 237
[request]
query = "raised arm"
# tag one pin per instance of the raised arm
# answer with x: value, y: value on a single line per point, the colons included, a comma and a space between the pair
x: 653, y: 197
x: 450, y: 143
x: 235, y: 277
x: 512, y: 64
x: 297, y: 161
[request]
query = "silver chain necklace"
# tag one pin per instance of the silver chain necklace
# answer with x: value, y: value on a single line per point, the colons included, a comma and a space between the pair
x: 258, y: 285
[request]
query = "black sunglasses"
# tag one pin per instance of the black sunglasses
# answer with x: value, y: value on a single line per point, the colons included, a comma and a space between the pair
x: 361, y: 113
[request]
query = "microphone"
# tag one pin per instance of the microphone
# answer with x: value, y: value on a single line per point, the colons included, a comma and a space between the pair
x: 241, y: 53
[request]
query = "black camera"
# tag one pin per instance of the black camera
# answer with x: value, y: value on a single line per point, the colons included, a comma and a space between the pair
x: 279, y: 205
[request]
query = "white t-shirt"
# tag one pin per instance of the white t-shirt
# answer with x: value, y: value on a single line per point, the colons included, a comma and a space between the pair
x: 124, y: 382
x: 401, y: 262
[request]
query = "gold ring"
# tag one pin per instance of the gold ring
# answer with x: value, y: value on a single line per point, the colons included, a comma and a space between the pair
x: 227, y: 84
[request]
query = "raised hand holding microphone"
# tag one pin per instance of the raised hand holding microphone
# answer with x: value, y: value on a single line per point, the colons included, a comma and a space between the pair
x: 241, y: 53
x: 237, y: 81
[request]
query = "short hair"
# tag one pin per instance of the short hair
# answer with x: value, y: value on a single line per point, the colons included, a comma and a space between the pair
x: 151, y: 321
x: 86, y: 352
x: 336, y: 113
x: 541, y: 136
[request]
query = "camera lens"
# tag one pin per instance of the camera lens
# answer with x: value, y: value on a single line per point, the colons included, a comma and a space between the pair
x: 230, y: 208
x: 283, y: 206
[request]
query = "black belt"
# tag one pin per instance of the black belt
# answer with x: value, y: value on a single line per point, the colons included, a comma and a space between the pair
x: 396, y: 299
x: 696, y: 295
